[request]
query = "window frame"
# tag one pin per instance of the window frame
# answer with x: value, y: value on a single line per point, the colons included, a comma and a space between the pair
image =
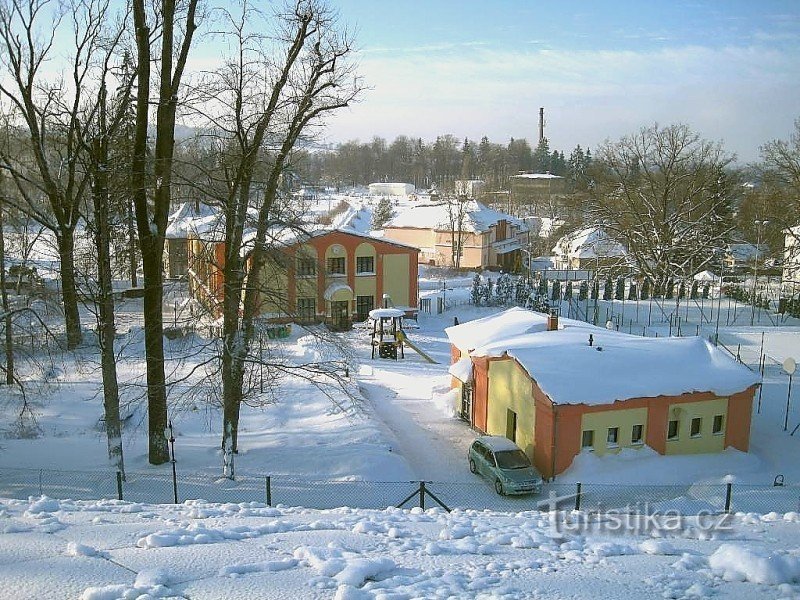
x: 677, y: 433
x: 721, y: 430
x: 359, y: 270
x: 699, y: 432
x: 591, y: 439
x: 312, y: 306
x: 615, y: 442
x: 640, y: 440
x: 306, y: 267
x: 329, y: 263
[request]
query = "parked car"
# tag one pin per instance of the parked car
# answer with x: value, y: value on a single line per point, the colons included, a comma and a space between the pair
x: 501, y: 460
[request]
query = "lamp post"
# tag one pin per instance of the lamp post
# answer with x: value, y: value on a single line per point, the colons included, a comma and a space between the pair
x: 170, y: 435
x: 759, y: 229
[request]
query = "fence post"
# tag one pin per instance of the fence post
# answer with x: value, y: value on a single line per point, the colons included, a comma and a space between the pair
x: 422, y: 495
x: 119, y: 485
x: 728, y: 496
x: 269, y: 490
x: 578, y: 496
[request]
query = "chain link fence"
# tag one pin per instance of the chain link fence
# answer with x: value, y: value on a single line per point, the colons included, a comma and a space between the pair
x: 159, y: 487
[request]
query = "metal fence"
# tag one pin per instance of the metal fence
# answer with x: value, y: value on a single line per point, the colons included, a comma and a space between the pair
x: 158, y: 487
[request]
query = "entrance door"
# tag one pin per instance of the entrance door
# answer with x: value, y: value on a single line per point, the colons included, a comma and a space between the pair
x: 466, y: 403
x: 511, y: 425
x: 340, y: 314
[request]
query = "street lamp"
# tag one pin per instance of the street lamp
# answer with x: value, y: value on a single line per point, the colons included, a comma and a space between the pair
x: 169, y: 434
x: 759, y: 229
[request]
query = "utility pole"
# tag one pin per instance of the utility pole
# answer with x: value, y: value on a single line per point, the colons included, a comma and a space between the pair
x: 541, y: 124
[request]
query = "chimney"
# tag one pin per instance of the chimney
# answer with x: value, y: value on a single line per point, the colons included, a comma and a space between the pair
x: 541, y: 124
x: 552, y: 321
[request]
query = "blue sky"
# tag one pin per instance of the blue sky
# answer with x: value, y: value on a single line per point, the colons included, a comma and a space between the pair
x: 730, y: 69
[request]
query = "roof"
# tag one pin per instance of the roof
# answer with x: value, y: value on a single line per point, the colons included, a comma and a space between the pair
x: 618, y: 366
x: 182, y: 221
x: 289, y: 237
x: 436, y: 215
x: 497, y: 443
x: 589, y: 242
x: 509, y: 323
x: 536, y: 176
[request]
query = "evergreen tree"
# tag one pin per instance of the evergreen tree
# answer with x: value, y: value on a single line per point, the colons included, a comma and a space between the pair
x: 556, y: 294
x: 475, y: 292
x: 568, y: 290
x: 543, y: 287
x: 693, y: 291
x: 619, y: 292
x: 504, y: 289
x: 382, y: 213
x: 583, y: 291
x: 706, y: 291
x: 487, y: 291
x: 632, y: 291
x: 595, y: 289
x: 608, y: 290
x: 645, y: 295
x: 541, y: 157
x: 669, y: 293
x: 682, y: 290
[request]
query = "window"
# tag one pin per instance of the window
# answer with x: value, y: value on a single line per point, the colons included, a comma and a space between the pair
x: 613, y: 436
x: 587, y: 441
x: 365, y: 264
x: 697, y: 425
x: 364, y: 304
x: 306, y: 309
x: 719, y: 421
x: 636, y: 434
x: 306, y: 267
x: 336, y: 266
x: 672, y: 430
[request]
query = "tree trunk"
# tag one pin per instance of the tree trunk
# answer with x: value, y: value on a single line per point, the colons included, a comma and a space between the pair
x: 9, y: 334
x: 133, y: 263
x: 69, y: 291
x: 154, y: 352
x: 106, y: 327
x: 234, y: 353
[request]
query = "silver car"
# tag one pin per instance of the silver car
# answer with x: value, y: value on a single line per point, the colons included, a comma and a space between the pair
x: 502, y: 461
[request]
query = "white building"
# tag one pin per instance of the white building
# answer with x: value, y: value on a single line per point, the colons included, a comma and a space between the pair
x: 391, y: 189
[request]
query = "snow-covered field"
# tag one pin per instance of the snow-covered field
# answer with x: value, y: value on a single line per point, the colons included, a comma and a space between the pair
x: 109, y: 550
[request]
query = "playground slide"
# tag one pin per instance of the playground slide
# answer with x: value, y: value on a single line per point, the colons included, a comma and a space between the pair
x: 408, y: 342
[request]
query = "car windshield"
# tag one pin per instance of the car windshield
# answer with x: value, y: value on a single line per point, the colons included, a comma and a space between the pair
x: 512, y: 459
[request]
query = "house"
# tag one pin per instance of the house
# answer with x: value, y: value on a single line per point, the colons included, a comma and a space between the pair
x: 470, y: 188
x: 540, y: 194
x: 332, y: 276
x: 179, y: 226
x: 743, y: 255
x: 590, y: 248
x: 391, y: 189
x: 481, y: 237
x: 561, y: 388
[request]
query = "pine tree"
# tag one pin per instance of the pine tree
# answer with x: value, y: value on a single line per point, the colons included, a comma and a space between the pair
x: 556, y: 294
x: 632, y: 291
x: 475, y: 293
x: 608, y: 290
x: 619, y: 292
x: 583, y: 291
x: 645, y: 295
x: 382, y: 213
x: 568, y: 290
x: 693, y: 291
x: 541, y: 157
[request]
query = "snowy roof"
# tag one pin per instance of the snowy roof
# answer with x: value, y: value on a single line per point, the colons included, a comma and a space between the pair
x: 570, y: 371
x: 512, y: 322
x: 336, y: 286
x: 744, y: 251
x: 436, y: 215
x: 536, y: 176
x: 182, y: 221
x: 385, y: 313
x: 462, y: 369
x: 589, y: 242
x: 706, y: 276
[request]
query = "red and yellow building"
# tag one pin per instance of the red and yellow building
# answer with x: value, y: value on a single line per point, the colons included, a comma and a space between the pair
x: 556, y: 393
x: 330, y: 276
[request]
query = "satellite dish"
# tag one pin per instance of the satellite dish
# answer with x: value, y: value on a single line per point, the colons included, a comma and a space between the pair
x: 789, y: 365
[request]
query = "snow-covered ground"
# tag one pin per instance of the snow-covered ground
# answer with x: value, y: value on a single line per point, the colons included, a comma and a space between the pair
x: 117, y: 550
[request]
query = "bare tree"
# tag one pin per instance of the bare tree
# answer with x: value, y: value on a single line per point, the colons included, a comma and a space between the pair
x: 151, y: 196
x: 456, y: 220
x: 270, y: 91
x: 666, y: 194
x: 53, y: 110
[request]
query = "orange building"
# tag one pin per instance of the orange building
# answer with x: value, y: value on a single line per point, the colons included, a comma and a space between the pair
x: 559, y: 390
x: 330, y: 276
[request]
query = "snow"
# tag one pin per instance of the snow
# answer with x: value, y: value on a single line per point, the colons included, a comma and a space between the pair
x: 665, y: 366
x: 508, y: 323
x: 477, y: 218
x: 387, y: 554
x: 588, y: 243
x: 462, y: 369
x: 385, y: 313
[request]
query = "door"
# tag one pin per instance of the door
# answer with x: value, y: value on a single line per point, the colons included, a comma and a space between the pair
x: 511, y: 425
x: 466, y: 402
x: 339, y: 314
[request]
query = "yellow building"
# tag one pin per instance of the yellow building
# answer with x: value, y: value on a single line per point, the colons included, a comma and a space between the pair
x: 561, y: 389
x: 460, y: 232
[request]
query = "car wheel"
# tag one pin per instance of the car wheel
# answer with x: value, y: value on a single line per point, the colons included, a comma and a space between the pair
x: 473, y: 468
x: 498, y: 487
